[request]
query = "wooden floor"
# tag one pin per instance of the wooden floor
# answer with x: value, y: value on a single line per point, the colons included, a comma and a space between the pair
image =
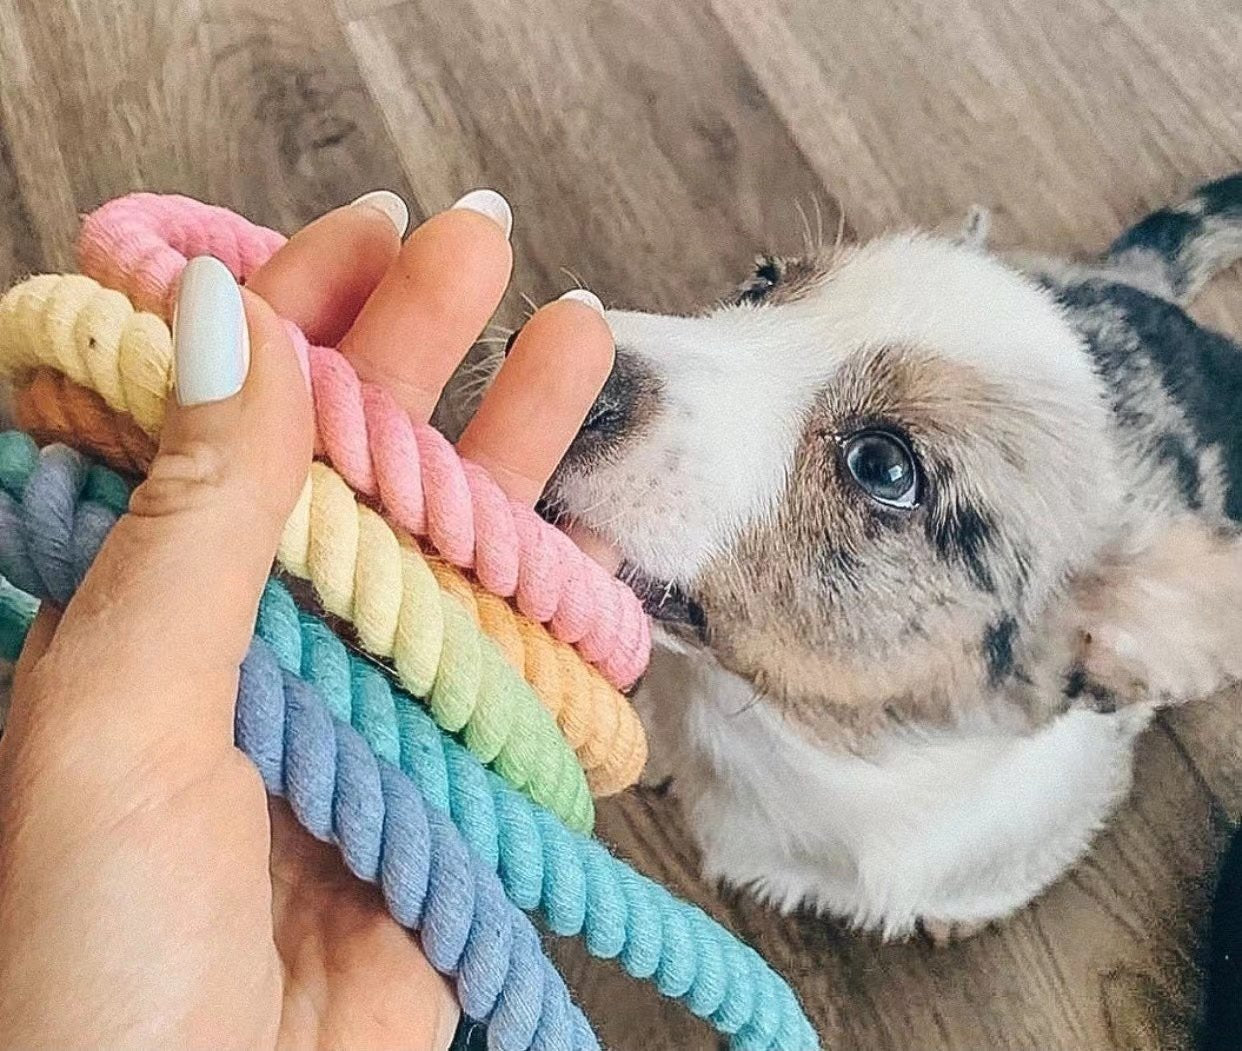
x: 652, y: 147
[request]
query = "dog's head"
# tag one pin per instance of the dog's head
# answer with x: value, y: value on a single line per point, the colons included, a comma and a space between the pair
x: 859, y: 484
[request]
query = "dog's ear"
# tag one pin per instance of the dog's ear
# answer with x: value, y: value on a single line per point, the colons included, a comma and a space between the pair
x: 1156, y: 620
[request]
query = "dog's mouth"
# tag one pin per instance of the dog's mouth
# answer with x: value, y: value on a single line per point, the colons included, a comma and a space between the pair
x: 668, y: 604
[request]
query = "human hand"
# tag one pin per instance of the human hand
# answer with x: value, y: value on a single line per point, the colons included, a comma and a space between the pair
x: 149, y: 893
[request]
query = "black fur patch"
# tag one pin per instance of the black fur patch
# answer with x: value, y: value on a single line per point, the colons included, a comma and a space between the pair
x: 998, y: 649
x: 1166, y: 233
x: 963, y: 534
x: 1175, y: 451
x: 1200, y: 370
x: 766, y: 276
x: 1078, y: 685
x: 1171, y: 232
x: 1222, y: 197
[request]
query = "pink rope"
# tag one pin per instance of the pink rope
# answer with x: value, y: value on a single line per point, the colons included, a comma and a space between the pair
x: 139, y: 245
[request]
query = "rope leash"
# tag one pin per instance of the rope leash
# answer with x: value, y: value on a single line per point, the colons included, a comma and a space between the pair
x: 361, y: 570
x: 139, y: 245
x: 337, y: 788
x: 359, y: 760
x: 95, y: 338
x: 55, y: 510
x: 600, y: 725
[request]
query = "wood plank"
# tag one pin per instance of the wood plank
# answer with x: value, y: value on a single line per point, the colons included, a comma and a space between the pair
x: 633, y: 144
x: 1054, y: 114
x: 248, y: 103
x: 37, y: 215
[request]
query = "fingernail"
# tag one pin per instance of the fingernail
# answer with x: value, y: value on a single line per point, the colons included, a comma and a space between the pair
x: 211, y: 343
x: 581, y: 295
x: 389, y: 205
x: 491, y: 204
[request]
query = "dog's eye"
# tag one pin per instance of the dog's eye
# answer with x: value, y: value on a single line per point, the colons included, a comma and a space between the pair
x: 883, y: 467
x: 766, y: 277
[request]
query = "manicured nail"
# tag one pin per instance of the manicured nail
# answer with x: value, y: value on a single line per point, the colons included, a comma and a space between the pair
x: 491, y: 204
x: 211, y: 343
x: 389, y: 205
x: 581, y: 295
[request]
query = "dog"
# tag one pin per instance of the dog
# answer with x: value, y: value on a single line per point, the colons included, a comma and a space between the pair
x: 929, y: 536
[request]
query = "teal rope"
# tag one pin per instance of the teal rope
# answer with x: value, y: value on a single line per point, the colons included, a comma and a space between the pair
x: 573, y: 880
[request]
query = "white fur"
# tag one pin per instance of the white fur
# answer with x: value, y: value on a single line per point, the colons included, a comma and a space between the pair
x: 960, y: 827
x: 737, y: 383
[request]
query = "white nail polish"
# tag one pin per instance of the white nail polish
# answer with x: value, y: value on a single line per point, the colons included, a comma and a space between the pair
x: 491, y: 204
x: 581, y: 295
x: 389, y: 205
x: 211, y: 343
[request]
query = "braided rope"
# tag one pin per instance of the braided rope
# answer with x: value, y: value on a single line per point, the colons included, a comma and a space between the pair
x: 336, y: 786
x: 364, y: 573
x: 599, y: 724
x: 138, y: 245
x: 575, y: 882
x: 361, y: 570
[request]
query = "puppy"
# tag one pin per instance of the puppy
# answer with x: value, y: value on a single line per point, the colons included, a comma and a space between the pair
x: 930, y: 535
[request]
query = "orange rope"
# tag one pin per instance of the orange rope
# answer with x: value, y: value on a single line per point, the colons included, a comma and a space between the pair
x: 52, y: 408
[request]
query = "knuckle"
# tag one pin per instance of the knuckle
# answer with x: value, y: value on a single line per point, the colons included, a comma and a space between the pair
x: 181, y: 480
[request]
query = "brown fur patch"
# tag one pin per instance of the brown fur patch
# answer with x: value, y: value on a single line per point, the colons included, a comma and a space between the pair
x: 844, y: 612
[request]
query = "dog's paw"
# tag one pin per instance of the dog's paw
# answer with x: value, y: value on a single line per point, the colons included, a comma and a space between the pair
x: 946, y: 932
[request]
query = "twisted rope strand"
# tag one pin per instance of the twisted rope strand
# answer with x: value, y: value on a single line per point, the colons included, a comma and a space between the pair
x: 573, y: 880
x: 600, y: 725
x: 360, y: 569
x: 74, y: 326
x: 139, y: 245
x: 336, y: 786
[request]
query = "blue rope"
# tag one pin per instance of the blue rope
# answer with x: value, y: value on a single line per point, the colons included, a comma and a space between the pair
x: 576, y: 883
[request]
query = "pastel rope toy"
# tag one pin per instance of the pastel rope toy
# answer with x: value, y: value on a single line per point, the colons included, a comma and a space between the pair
x: 599, y: 724
x: 361, y: 570
x: 337, y: 788
x: 93, y: 336
x: 139, y: 245
x: 60, y: 509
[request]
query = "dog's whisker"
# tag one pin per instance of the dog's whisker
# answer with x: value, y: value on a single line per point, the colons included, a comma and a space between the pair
x: 578, y: 282
x: 808, y: 243
x: 840, y: 238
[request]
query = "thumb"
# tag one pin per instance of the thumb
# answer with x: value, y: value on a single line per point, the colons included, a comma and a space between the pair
x: 174, y: 591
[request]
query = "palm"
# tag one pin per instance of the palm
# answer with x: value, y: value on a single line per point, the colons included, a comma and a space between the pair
x: 348, y: 969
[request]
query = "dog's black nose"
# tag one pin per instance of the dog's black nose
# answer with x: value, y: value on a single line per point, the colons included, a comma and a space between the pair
x: 620, y: 403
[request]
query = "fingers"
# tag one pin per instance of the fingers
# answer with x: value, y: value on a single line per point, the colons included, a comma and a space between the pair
x: 541, y: 395
x: 170, y: 602
x: 432, y: 304
x: 323, y: 276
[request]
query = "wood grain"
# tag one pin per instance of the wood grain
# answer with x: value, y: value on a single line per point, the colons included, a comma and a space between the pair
x: 652, y: 148
x: 634, y: 144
